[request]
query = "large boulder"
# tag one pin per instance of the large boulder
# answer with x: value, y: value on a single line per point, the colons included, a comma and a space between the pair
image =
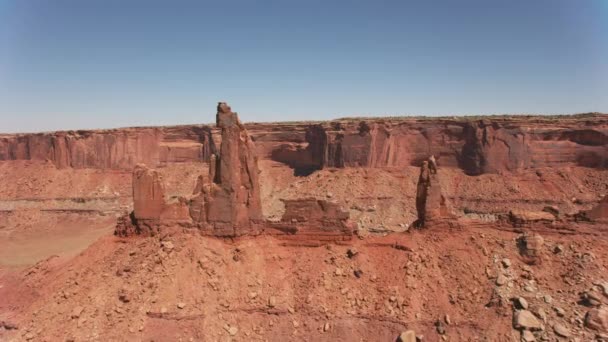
x: 599, y: 213
x: 597, y: 319
x: 407, y: 336
x: 531, y: 247
x: 525, y: 320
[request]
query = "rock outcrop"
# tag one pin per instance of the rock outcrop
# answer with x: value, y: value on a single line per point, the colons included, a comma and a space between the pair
x: 315, y: 219
x: 521, y: 217
x: 492, y: 145
x: 599, y: 213
x: 225, y: 202
x: 531, y: 248
x: 597, y: 319
x: 491, y: 148
x: 151, y: 209
x: 148, y: 193
x: 119, y: 149
x: 229, y: 199
x: 431, y: 204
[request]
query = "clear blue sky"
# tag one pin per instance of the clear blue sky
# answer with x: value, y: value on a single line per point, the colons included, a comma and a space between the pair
x: 105, y: 63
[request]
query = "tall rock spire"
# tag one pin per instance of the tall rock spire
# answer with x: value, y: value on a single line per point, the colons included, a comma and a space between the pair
x: 431, y: 203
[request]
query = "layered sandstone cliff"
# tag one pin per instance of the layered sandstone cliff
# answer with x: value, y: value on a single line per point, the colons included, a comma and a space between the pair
x: 111, y: 149
x: 489, y: 145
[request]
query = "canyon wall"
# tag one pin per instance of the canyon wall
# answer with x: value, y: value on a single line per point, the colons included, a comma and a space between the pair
x: 489, y: 145
x: 111, y: 149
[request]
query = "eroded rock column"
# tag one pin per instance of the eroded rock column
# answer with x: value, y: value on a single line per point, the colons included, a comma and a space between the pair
x: 431, y: 203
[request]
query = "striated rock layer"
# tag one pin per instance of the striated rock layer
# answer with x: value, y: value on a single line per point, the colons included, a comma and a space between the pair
x: 314, y: 219
x: 111, y: 149
x: 490, y: 145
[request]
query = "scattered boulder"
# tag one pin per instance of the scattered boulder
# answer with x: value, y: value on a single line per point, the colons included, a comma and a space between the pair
x: 76, y: 312
x: 525, y: 320
x: 8, y: 325
x: 351, y: 252
x: 531, y: 247
x: 440, y: 327
x: 521, y: 303
x: 597, y: 319
x: 558, y: 249
x: 233, y: 330
x: 407, y: 336
x: 527, y: 336
x: 272, y: 301
x: 124, y: 296
x: 591, y: 298
x: 561, y: 330
x: 501, y: 280
x: 521, y: 217
x: 358, y: 273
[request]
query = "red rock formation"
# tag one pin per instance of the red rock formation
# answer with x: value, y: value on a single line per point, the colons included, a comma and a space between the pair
x: 432, y: 206
x: 491, y: 148
x: 226, y: 203
x: 486, y: 146
x: 111, y: 149
x: 148, y: 193
x: 151, y: 209
x: 126, y: 226
x: 522, y: 217
x: 597, y: 319
x: 531, y: 248
x: 495, y: 144
x: 314, y: 219
x: 233, y: 201
x: 599, y: 213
